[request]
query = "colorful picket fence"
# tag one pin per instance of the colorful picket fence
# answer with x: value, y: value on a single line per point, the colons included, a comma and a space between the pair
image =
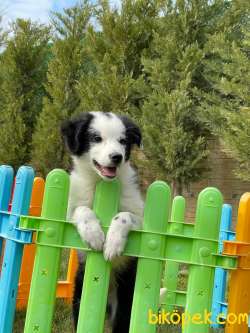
x: 160, y: 241
x: 14, y: 238
x: 29, y: 249
x: 197, y: 245
x: 11, y: 196
x: 219, y: 304
x: 233, y: 313
x: 64, y: 287
x: 239, y: 287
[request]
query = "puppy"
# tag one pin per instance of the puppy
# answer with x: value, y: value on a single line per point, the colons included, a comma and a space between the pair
x: 100, y: 144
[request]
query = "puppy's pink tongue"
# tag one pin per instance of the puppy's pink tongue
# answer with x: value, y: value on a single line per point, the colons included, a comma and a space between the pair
x: 108, y: 171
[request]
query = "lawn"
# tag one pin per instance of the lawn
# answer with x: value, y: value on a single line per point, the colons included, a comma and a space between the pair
x: 63, y: 322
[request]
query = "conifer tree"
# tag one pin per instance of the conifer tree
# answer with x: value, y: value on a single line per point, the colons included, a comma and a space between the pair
x: 3, y: 36
x: 175, y: 130
x: 23, y: 73
x: 115, y: 52
x: 68, y: 64
x: 228, y: 72
x: 237, y: 84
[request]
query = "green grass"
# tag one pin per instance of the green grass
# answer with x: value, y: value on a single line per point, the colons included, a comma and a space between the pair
x: 63, y: 323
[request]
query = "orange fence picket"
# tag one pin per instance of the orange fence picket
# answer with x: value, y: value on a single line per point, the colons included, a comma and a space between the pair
x: 239, y: 286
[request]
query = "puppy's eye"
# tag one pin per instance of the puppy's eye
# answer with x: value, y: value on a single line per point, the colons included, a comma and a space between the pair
x: 123, y: 141
x: 97, y: 138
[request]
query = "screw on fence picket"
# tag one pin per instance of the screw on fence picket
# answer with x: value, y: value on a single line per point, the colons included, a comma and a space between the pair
x: 219, y: 307
x: 170, y: 281
x: 205, y: 244
x: 97, y: 270
x: 47, y: 261
x: 15, y: 240
x: 149, y: 271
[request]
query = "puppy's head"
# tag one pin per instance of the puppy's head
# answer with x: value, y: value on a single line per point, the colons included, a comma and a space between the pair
x: 103, y: 140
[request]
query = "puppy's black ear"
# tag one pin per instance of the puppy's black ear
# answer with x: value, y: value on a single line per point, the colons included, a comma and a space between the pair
x: 133, y: 132
x: 75, y: 133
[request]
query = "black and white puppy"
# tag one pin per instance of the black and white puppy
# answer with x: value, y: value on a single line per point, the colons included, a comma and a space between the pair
x: 100, y: 144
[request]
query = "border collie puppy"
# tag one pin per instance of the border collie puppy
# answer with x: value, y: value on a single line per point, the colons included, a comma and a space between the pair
x: 100, y: 145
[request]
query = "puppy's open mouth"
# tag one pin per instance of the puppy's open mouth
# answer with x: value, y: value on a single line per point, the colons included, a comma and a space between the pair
x: 109, y: 172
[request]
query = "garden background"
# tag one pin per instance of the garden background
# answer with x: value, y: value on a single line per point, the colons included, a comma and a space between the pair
x: 180, y: 69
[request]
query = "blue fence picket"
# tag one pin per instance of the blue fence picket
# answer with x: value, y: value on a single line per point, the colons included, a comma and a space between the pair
x: 219, y: 306
x: 15, y: 238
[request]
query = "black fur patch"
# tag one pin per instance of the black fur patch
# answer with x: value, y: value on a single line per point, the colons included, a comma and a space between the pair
x: 133, y: 135
x: 75, y: 133
x: 125, y: 281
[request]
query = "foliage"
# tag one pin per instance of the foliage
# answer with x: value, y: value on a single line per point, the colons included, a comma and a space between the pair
x: 23, y: 72
x: 175, y: 132
x: 66, y: 67
x: 228, y: 72
x: 179, y: 68
x: 115, y: 52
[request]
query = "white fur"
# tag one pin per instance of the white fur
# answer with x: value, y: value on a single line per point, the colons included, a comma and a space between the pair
x: 89, y: 227
x: 82, y: 187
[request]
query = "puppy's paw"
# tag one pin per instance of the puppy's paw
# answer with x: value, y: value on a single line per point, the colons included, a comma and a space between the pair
x: 92, y: 233
x: 114, y: 245
x: 89, y: 228
x: 117, y: 235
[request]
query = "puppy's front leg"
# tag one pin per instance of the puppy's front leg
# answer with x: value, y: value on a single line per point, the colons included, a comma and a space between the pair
x: 89, y: 227
x: 116, y: 237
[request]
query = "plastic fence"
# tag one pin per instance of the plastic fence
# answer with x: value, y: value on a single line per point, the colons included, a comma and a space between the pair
x: 196, y: 245
x: 239, y: 287
x: 29, y: 249
x: 15, y: 198
x: 160, y: 241
x: 14, y: 238
x: 64, y: 287
x: 219, y: 304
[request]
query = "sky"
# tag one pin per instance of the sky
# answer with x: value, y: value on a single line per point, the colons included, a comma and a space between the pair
x: 38, y: 10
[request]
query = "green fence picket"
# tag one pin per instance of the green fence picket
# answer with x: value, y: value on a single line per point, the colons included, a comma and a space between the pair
x: 47, y: 261
x: 201, y: 279
x: 170, y: 280
x: 149, y: 271
x: 97, y: 272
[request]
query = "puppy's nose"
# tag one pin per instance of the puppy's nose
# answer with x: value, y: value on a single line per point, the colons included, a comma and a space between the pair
x: 115, y: 158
